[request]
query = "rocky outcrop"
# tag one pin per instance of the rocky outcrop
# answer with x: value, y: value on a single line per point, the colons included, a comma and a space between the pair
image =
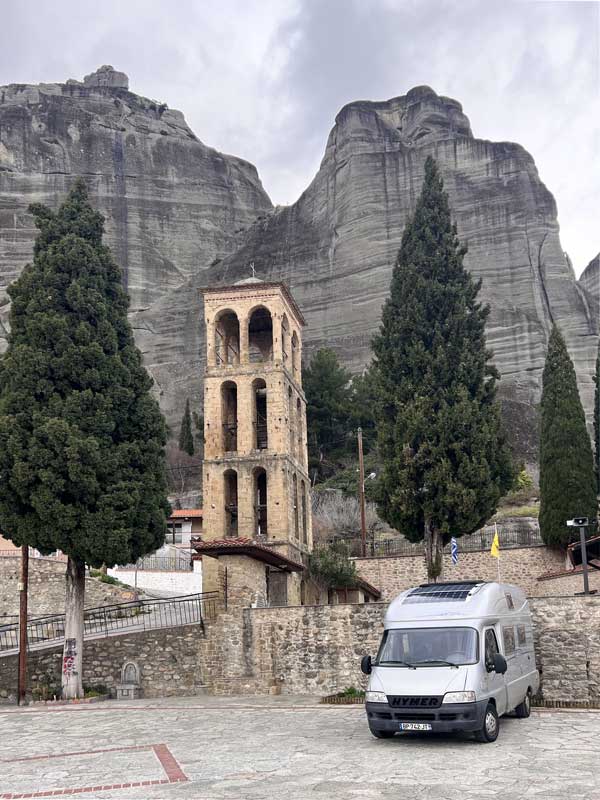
x: 181, y: 216
x: 172, y: 204
x: 590, y: 278
x: 336, y: 245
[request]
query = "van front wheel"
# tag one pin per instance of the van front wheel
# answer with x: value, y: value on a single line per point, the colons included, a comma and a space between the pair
x: 523, y: 710
x: 491, y: 725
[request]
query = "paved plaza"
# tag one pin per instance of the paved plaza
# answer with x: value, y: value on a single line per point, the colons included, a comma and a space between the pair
x: 283, y: 748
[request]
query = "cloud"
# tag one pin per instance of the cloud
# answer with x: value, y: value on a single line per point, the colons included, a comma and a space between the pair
x: 264, y: 78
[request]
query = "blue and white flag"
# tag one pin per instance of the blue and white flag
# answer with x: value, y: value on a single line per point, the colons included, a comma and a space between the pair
x: 454, y: 550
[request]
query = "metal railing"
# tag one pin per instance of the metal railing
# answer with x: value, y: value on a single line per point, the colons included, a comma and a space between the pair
x: 33, y: 553
x: 139, y: 615
x: 510, y: 538
x: 163, y: 563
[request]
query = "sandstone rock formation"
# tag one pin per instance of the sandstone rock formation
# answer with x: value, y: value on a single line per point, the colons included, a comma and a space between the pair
x: 181, y: 216
x: 336, y: 245
x: 590, y: 278
x: 172, y: 204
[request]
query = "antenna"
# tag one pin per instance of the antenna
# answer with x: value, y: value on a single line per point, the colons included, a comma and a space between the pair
x: 252, y: 270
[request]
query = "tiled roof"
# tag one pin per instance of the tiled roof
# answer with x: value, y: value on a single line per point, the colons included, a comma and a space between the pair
x: 179, y: 513
x: 246, y: 547
x: 360, y: 583
x: 562, y: 573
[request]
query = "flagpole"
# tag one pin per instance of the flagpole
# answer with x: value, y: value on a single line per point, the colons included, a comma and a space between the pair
x: 498, y: 559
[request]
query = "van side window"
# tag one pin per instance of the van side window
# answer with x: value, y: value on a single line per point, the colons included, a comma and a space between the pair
x: 521, y: 635
x: 508, y: 635
x: 491, y: 648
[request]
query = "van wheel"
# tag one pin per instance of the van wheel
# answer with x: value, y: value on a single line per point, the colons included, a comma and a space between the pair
x: 523, y: 710
x: 491, y: 725
x: 382, y: 734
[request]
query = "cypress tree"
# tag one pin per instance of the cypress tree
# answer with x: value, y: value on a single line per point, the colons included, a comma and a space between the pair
x: 328, y: 405
x: 597, y: 422
x: 81, y: 438
x: 567, y: 481
x: 186, y: 437
x: 444, y: 459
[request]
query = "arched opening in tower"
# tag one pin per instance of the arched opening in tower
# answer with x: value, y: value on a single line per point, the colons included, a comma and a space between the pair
x: 229, y: 415
x: 295, y: 356
x: 261, y: 437
x: 260, y: 503
x: 304, y: 512
x: 260, y: 335
x: 295, y: 503
x: 299, y: 436
x: 227, y: 338
x: 230, y: 494
x: 285, y: 339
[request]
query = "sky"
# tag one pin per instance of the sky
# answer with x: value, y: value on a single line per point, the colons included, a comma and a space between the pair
x: 264, y: 79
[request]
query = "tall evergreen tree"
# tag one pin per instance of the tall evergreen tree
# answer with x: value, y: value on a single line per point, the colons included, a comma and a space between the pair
x: 597, y: 421
x: 186, y: 437
x: 328, y: 405
x: 445, y: 462
x: 567, y: 481
x: 81, y: 438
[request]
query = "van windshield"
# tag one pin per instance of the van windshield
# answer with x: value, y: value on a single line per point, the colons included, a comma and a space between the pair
x: 428, y: 647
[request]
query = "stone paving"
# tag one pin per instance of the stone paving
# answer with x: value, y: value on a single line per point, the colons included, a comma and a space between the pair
x: 287, y: 748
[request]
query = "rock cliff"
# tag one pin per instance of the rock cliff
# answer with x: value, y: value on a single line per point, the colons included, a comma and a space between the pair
x: 590, y: 278
x: 172, y: 204
x: 336, y: 245
x: 181, y: 216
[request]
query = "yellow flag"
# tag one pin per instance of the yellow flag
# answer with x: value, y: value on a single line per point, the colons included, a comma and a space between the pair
x: 495, y: 551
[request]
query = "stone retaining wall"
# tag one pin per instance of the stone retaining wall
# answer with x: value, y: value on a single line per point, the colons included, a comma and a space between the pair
x: 309, y: 650
x: 47, y: 588
x: 168, y: 659
x: 521, y: 566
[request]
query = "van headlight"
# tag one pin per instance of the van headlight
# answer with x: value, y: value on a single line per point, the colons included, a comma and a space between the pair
x: 375, y: 697
x: 459, y: 697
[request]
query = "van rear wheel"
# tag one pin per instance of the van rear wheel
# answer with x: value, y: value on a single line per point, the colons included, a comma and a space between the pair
x: 491, y: 725
x: 523, y: 710
x: 381, y: 734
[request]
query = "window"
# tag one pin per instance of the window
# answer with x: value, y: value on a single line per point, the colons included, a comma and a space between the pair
x: 174, y: 533
x: 227, y: 339
x: 229, y: 416
x: 491, y: 648
x: 521, y: 635
x: 428, y: 646
x: 508, y: 635
x: 261, y: 438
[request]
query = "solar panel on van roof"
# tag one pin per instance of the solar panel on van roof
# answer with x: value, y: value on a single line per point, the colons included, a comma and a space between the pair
x: 441, y: 592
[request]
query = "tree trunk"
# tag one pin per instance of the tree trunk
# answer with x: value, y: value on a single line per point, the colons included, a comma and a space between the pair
x: 72, y: 686
x: 434, y: 548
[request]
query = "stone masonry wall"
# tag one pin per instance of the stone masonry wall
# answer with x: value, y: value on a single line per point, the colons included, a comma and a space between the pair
x: 521, y: 566
x: 308, y: 650
x: 169, y: 663
x: 47, y: 588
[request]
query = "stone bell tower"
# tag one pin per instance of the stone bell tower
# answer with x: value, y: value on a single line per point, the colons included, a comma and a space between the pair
x: 255, y: 481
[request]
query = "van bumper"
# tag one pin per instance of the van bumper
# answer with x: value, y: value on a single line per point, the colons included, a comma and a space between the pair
x: 448, y: 718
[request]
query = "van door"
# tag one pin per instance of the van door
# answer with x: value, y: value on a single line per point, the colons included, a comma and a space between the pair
x: 514, y: 674
x: 493, y: 683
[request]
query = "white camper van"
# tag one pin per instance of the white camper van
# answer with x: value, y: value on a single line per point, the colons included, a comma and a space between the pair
x: 453, y: 657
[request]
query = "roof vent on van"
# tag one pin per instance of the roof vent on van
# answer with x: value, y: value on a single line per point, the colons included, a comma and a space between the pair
x: 443, y: 592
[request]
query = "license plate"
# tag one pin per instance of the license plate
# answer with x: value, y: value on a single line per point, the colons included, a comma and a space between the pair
x: 415, y: 726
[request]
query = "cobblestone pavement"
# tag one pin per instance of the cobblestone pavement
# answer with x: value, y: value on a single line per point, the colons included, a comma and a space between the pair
x: 284, y: 748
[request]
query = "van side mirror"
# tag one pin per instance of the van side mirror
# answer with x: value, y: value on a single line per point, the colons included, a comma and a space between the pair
x: 500, y: 665
x: 366, y: 665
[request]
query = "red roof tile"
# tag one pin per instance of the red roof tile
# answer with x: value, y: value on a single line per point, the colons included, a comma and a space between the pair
x: 179, y: 513
x: 247, y: 547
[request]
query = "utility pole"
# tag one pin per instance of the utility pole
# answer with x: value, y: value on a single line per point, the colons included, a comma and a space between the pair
x: 584, y: 564
x: 361, y: 494
x: 22, y: 680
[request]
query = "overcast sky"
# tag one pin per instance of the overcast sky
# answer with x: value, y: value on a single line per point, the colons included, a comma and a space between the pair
x: 264, y: 79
